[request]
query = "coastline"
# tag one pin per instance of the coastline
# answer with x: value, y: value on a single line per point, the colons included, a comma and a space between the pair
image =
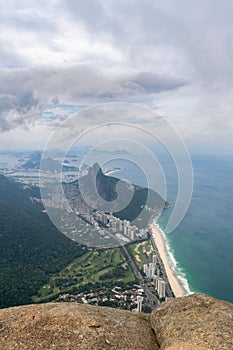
x: 175, y: 284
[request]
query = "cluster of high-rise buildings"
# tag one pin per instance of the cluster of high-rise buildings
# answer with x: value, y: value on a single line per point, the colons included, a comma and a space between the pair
x: 160, y: 286
x: 115, y: 224
x: 151, y: 268
x: 152, y: 272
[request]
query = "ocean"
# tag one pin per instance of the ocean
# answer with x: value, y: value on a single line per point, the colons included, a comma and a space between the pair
x: 200, y: 248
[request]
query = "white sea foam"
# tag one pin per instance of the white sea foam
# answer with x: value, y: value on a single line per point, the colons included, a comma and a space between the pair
x: 179, y: 272
x: 114, y: 171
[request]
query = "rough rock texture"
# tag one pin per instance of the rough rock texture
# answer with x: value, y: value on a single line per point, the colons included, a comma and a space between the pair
x: 196, y: 322
x: 69, y: 326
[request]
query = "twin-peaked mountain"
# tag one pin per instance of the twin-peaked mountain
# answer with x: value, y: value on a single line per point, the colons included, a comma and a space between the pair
x: 31, y: 248
x: 127, y: 201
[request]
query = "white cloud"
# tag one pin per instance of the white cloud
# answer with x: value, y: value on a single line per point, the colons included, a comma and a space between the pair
x: 174, y: 55
x: 25, y: 92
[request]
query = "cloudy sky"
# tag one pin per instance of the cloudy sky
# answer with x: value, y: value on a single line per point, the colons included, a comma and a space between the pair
x: 173, y: 56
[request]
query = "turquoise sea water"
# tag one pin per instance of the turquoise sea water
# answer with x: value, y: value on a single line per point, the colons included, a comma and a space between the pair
x: 201, y: 248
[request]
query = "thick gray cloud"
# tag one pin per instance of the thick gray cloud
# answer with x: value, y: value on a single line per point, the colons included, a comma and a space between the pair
x: 18, y: 107
x: 102, y: 50
x: 196, y: 33
x: 23, y: 92
x: 174, y: 36
x: 152, y: 82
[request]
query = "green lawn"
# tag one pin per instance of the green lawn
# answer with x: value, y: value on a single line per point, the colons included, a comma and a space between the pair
x: 103, y: 266
x: 141, y: 253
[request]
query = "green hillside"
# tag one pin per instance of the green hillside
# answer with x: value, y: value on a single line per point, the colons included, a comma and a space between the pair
x: 31, y: 248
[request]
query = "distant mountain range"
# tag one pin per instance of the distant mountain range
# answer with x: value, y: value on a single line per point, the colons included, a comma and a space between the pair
x: 34, y: 160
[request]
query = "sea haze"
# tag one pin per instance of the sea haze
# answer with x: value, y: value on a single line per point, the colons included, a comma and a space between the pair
x: 201, y: 247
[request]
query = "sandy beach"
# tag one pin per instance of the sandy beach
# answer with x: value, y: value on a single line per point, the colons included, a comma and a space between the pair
x: 176, y: 286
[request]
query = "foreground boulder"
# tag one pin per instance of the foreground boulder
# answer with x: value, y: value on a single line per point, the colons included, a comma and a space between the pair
x: 197, y: 322
x: 73, y: 326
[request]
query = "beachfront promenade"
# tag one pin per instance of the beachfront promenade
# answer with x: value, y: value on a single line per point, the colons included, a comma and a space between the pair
x: 169, y: 291
x: 151, y: 299
x: 174, y: 286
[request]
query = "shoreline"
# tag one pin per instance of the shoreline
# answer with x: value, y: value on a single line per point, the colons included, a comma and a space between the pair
x: 175, y: 283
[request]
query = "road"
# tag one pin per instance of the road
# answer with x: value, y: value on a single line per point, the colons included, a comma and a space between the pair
x: 150, y: 298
